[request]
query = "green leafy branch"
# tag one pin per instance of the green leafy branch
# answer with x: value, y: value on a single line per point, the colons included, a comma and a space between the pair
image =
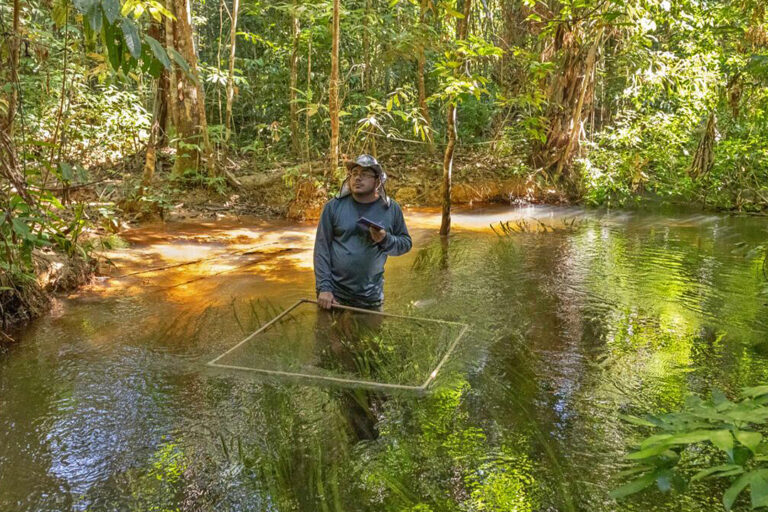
x: 730, y: 427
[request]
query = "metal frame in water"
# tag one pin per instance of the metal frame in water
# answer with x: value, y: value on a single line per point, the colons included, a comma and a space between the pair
x: 370, y: 384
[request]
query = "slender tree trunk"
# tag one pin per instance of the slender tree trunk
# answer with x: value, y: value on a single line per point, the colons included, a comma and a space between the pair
x: 704, y: 157
x: 450, y: 127
x: 157, y: 135
x: 218, y: 57
x: 333, y: 103
x: 9, y: 168
x: 309, y: 93
x: 231, y: 74
x: 13, y: 70
x: 462, y: 25
x: 295, y: 141
x: 173, y: 75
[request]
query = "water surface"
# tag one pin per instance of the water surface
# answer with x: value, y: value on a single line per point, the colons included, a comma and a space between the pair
x: 106, y: 403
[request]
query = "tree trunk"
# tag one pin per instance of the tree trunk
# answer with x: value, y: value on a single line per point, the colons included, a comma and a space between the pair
x: 462, y: 25
x: 705, y: 151
x: 218, y: 57
x: 587, y: 83
x: 568, y: 94
x: 9, y: 168
x: 295, y: 142
x: 157, y: 134
x: 187, y: 100
x: 333, y: 102
x: 231, y: 74
x: 450, y: 126
x: 309, y: 92
x: 6, y: 125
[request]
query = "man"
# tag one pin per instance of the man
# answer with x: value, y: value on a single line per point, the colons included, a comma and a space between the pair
x: 350, y: 257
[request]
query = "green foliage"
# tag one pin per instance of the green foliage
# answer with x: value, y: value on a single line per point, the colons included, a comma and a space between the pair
x: 383, y: 120
x: 42, y: 222
x: 672, y: 458
x: 457, y: 85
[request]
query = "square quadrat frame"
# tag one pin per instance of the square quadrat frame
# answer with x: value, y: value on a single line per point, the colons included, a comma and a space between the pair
x: 340, y: 380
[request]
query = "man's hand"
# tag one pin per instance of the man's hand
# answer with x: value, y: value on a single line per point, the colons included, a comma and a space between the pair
x: 377, y: 234
x: 325, y: 300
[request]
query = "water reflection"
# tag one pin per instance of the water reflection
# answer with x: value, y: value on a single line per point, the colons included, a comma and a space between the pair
x: 105, y: 405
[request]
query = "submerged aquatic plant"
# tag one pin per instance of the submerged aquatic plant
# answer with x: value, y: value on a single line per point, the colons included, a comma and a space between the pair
x: 673, y: 456
x: 523, y: 226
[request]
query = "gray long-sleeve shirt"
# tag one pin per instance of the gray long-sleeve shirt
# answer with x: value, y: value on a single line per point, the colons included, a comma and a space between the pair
x: 347, y: 260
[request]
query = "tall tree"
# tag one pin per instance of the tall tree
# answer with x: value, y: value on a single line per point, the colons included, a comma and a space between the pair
x: 231, y: 72
x: 462, y: 26
x: 333, y: 91
x: 571, y: 90
x: 157, y: 132
x: 187, y: 102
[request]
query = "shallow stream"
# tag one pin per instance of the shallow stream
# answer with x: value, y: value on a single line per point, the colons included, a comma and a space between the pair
x: 576, y: 318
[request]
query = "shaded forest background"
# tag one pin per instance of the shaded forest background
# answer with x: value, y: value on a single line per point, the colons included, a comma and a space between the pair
x: 111, y: 106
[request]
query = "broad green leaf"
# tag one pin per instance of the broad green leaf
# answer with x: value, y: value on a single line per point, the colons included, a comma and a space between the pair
x: 634, y: 471
x: 735, y: 489
x: 718, y: 397
x: 749, y: 439
x: 111, y: 9
x: 718, y: 471
x: 114, y: 47
x: 81, y: 173
x: 158, y: 51
x: 131, y: 35
x: 664, y: 480
x: 94, y: 18
x: 181, y: 61
x: 696, y: 436
x: 755, y: 391
x: 759, y: 488
x: 723, y: 439
x: 753, y: 416
x: 648, y: 452
x: 66, y: 171
x: 21, y: 228
x: 634, y: 486
x: 84, y: 6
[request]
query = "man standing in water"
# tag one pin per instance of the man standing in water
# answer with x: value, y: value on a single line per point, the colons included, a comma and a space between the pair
x: 350, y: 253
